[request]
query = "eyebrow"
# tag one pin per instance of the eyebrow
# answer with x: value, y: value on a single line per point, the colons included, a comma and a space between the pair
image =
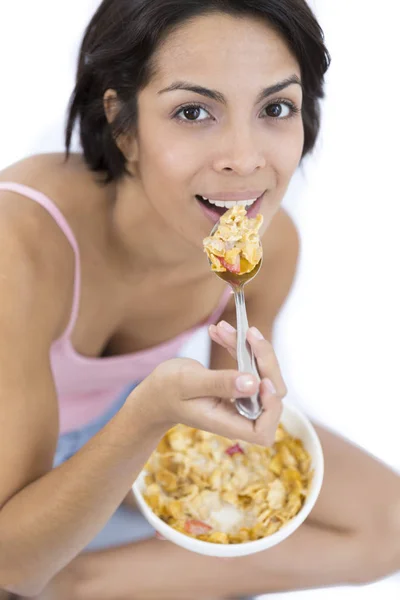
x: 218, y: 97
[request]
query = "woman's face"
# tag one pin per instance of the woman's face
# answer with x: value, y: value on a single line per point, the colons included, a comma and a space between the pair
x: 220, y: 120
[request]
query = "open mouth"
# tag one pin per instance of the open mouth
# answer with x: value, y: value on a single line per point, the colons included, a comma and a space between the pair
x: 219, y: 207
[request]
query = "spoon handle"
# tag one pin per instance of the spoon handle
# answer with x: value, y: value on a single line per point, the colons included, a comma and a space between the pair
x: 249, y: 407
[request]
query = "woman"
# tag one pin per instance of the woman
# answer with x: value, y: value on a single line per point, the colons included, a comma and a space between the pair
x: 180, y: 105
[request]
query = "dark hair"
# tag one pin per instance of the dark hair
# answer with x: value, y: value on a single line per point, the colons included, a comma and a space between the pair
x: 121, y: 40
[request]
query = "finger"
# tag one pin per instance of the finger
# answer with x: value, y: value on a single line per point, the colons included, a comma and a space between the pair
x: 160, y: 537
x: 223, y: 419
x: 228, y: 334
x: 220, y: 416
x: 205, y: 383
x: 221, y: 339
x: 267, y: 424
x: 267, y: 362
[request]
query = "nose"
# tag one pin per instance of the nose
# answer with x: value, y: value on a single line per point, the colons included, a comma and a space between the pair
x: 240, y: 151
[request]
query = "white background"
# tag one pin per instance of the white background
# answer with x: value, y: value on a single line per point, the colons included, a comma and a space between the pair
x: 338, y: 336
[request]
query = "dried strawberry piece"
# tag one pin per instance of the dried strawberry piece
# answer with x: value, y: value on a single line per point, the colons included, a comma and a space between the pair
x: 196, y: 527
x: 236, y: 449
x: 233, y: 268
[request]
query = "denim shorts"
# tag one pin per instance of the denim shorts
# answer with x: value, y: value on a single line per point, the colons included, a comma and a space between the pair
x: 126, y: 525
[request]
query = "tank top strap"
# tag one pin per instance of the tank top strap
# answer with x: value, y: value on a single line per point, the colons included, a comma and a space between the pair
x: 63, y: 224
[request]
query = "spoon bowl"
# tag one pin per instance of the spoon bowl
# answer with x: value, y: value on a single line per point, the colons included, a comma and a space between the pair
x: 239, y: 279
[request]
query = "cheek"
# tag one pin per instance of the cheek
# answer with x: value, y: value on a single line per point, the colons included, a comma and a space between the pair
x: 287, y: 153
x: 168, y: 158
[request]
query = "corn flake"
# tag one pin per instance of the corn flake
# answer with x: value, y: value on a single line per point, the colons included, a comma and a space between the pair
x: 235, y: 245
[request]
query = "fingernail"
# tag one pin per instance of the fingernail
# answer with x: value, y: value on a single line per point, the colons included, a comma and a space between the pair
x: 228, y: 328
x: 270, y: 386
x: 244, y: 383
x: 257, y: 333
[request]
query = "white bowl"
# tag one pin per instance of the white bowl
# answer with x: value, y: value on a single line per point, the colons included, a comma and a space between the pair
x: 297, y: 425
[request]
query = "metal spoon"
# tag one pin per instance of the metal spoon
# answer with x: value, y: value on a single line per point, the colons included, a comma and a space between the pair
x: 249, y: 407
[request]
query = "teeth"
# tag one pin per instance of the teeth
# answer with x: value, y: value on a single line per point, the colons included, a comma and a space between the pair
x: 230, y: 203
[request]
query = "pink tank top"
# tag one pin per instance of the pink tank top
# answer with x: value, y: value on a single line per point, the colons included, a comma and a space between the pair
x: 88, y: 387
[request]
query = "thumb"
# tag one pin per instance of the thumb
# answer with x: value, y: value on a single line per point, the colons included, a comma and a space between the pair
x: 201, y: 382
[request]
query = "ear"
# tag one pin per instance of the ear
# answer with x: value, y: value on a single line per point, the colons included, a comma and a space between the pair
x: 127, y: 142
x: 111, y: 105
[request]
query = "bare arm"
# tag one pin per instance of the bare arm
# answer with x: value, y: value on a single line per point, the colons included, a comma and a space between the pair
x: 48, y: 516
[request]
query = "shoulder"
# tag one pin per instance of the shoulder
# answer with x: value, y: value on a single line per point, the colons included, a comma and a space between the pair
x: 51, y: 174
x: 71, y: 186
x: 47, y: 174
x: 35, y: 254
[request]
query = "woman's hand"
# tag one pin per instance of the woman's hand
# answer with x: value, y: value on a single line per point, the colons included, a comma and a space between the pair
x: 183, y: 391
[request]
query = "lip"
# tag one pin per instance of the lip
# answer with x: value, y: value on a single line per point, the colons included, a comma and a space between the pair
x: 234, y: 196
x: 254, y: 208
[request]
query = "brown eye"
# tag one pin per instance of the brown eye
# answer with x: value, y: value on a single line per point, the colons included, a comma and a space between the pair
x: 274, y: 110
x: 192, y: 113
x: 279, y: 110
